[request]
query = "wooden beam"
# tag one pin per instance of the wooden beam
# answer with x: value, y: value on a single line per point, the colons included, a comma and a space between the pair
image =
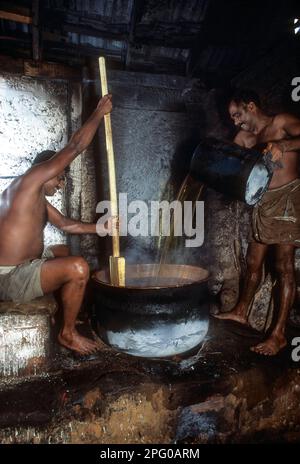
x: 162, y: 33
x: 119, y: 32
x: 12, y: 65
x: 35, y: 30
x: 15, y: 17
x: 131, y: 32
x: 43, y: 69
x: 83, y: 50
x: 50, y: 70
x: 94, y: 25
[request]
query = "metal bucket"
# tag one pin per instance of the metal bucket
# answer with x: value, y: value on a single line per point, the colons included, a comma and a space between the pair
x: 152, y: 316
x: 228, y: 168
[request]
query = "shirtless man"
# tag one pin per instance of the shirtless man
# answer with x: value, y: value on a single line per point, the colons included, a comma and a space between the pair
x: 276, y: 218
x: 25, y: 271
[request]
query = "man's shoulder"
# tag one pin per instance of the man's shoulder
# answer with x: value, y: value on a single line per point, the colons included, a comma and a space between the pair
x: 281, y: 119
x: 22, y: 185
x: 244, y: 134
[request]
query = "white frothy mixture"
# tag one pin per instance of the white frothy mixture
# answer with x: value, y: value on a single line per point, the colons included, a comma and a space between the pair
x: 165, y: 339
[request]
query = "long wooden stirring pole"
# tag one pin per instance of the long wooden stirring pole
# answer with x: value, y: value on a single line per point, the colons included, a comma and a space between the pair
x: 116, y: 263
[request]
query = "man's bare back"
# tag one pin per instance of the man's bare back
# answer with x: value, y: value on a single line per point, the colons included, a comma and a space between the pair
x: 23, y: 216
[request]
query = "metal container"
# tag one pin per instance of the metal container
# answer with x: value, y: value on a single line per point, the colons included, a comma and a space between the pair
x: 232, y: 170
x: 152, y: 316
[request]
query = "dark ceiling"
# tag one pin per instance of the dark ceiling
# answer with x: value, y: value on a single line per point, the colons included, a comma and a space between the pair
x: 214, y: 40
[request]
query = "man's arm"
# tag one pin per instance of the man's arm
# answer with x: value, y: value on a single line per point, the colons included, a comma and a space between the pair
x: 244, y: 139
x: 70, y: 226
x: 80, y: 140
x: 239, y: 139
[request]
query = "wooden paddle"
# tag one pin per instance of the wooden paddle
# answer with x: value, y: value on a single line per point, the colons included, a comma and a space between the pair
x: 116, y: 263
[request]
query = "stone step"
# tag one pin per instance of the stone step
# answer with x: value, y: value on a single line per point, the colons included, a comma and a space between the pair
x: 25, y: 336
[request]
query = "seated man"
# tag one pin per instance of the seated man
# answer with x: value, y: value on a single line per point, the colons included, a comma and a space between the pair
x: 276, y: 217
x: 28, y: 272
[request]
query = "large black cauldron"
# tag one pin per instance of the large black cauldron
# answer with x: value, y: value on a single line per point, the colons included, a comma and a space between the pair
x: 230, y: 169
x: 153, y: 316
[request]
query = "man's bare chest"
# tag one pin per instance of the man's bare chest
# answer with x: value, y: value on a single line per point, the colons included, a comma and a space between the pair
x: 269, y: 134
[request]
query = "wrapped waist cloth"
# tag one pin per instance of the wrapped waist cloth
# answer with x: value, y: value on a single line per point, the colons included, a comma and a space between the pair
x: 276, y: 217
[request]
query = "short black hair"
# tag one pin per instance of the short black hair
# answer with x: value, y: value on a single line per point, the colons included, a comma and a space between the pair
x: 43, y: 156
x: 245, y: 96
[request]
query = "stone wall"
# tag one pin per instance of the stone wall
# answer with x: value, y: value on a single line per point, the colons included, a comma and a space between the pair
x: 157, y: 122
x: 33, y: 119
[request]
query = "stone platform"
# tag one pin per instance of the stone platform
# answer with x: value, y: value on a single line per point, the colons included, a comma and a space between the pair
x: 25, y: 336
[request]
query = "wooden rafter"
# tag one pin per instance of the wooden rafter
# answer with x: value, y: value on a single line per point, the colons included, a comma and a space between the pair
x: 136, y: 12
x: 10, y: 16
x: 42, y: 69
x: 35, y: 31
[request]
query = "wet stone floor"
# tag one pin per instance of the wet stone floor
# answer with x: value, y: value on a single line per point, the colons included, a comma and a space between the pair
x: 220, y: 393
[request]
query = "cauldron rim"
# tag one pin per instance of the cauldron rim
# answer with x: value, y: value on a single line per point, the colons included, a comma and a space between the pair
x: 186, y: 267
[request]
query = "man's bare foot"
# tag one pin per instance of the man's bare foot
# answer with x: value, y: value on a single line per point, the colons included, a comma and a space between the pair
x: 77, y: 343
x: 233, y: 315
x: 271, y: 346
